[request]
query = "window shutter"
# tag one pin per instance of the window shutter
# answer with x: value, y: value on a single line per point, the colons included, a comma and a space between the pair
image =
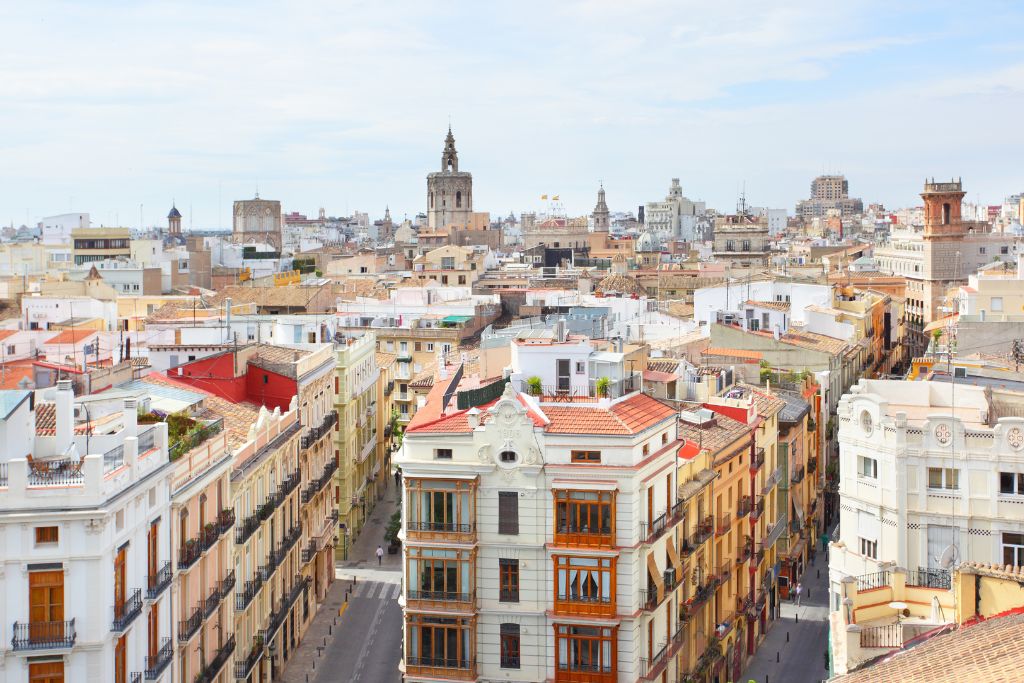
x: 508, y: 512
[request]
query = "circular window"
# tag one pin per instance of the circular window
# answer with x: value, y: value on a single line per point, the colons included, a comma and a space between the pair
x: 865, y: 422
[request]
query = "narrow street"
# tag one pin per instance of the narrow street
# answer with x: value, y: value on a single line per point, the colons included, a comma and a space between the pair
x: 799, y: 645
x: 364, y: 643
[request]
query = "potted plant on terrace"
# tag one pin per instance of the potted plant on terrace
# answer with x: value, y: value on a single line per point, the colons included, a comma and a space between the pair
x: 602, y: 386
x: 533, y: 384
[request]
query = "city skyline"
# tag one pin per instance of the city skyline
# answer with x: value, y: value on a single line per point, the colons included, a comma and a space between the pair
x: 354, y: 116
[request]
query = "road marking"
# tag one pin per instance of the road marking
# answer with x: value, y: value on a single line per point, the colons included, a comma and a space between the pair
x: 357, y: 672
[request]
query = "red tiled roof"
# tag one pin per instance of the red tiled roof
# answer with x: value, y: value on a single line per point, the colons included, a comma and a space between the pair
x: 658, y: 376
x: 457, y: 421
x: 734, y: 353
x: 70, y: 336
x: 630, y: 416
x: 4, y: 334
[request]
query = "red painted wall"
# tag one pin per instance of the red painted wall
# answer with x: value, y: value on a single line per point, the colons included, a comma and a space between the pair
x: 270, y: 389
x: 214, y: 374
x: 738, y: 414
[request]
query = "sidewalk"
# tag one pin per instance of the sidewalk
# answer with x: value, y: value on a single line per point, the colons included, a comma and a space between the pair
x: 802, y: 658
x: 362, y: 555
x: 302, y: 665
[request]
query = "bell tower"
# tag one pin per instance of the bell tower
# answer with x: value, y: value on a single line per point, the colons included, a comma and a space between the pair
x: 449, y: 191
x: 942, y: 204
x: 174, y: 221
x: 601, y: 213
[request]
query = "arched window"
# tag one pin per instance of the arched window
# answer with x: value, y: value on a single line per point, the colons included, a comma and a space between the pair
x: 945, y: 213
x: 458, y: 200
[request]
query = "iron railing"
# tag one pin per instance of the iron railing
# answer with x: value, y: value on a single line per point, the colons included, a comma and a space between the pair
x: 156, y: 584
x: 315, y: 433
x: 210, y: 671
x: 866, y: 582
x: 249, y: 591
x: 245, y: 666
x: 43, y: 635
x: 930, y: 578
x: 188, y: 627
x: 225, y: 520
x: 126, y: 613
x: 55, y: 473
x: 195, y: 438
x: 156, y: 665
x: 227, y: 584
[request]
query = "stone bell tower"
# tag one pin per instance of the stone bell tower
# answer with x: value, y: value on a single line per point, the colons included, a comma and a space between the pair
x: 942, y: 205
x: 449, y: 191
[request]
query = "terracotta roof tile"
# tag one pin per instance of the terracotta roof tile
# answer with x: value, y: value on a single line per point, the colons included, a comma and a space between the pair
x: 734, y: 353
x: 989, y: 651
x: 774, y: 305
x: 70, y: 336
x: 630, y: 416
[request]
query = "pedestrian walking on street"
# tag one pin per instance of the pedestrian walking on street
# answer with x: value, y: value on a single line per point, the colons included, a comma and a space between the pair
x: 380, y: 555
x: 398, y: 477
x: 799, y: 590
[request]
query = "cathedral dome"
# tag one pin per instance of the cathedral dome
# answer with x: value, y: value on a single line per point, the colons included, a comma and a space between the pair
x: 647, y: 242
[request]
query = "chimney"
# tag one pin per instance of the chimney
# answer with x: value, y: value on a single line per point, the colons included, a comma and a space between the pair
x: 131, y: 417
x: 560, y: 330
x: 65, y: 400
x: 227, y: 317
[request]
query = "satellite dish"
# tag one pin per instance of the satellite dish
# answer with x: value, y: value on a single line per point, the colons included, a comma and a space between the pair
x: 950, y: 557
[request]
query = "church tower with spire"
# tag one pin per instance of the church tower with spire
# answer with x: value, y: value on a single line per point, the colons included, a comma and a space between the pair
x: 449, y: 191
x: 601, y: 213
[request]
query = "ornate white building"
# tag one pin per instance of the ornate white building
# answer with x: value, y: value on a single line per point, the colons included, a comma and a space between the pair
x: 540, y: 539
x: 931, y: 474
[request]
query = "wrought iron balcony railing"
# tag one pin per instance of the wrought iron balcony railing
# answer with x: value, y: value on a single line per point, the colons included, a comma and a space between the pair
x: 44, y: 635
x: 125, y: 614
x: 156, y: 584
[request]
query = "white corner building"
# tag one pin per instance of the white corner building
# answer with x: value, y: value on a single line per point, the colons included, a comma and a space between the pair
x: 931, y: 474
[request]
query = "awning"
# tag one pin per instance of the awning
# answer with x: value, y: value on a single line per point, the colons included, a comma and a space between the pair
x: 656, y: 577
x: 692, y: 487
x: 942, y: 323
x: 673, y: 556
x: 456, y: 318
x: 798, y: 503
x: 796, y: 550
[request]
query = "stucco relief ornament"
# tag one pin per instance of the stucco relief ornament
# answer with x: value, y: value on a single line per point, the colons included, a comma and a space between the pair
x: 532, y: 456
x: 943, y: 434
x: 1015, y: 437
x: 483, y: 454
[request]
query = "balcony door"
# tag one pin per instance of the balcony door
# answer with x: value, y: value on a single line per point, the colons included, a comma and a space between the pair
x: 119, y: 579
x: 153, y: 552
x: 46, y: 672
x: 46, y: 605
x: 564, y: 377
x: 120, y: 661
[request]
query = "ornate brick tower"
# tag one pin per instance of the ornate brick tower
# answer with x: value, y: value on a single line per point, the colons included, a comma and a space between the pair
x: 449, y: 191
x: 174, y: 221
x: 942, y: 203
x: 600, y: 215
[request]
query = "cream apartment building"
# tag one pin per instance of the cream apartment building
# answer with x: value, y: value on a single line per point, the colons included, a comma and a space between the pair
x: 931, y: 474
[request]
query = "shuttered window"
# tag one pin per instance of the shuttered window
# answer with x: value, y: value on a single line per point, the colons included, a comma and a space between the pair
x: 508, y: 512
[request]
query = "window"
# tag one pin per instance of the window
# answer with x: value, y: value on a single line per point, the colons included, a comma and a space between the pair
x: 943, y: 478
x: 997, y: 303
x: 585, y: 649
x: 585, y: 456
x: 430, y: 347
x: 508, y: 512
x: 417, y: 346
x: 647, y: 449
x: 982, y: 250
x: 589, y: 580
x: 869, y: 548
x: 509, y: 646
x: 46, y: 534
x: 439, y: 642
x: 441, y: 506
x: 440, y: 574
x: 10, y: 348
x: 1013, y: 549
x: 1009, y: 482
x: 664, y: 438
x: 46, y: 672
x: 507, y: 456
x: 1004, y: 250
x: 443, y: 453
x: 867, y: 467
x: 581, y: 367
x: 584, y: 517
x: 403, y: 409
x: 508, y: 574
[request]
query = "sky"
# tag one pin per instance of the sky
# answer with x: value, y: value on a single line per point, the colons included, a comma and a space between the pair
x: 119, y: 107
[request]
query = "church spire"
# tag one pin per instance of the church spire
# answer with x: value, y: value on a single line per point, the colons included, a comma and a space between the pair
x: 450, y: 158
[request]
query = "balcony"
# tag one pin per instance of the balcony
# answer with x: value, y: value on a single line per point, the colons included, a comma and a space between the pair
x: 193, y: 438
x: 745, y: 550
x: 663, y: 522
x: 650, y: 670
x: 208, y: 535
x: 699, y: 597
x: 587, y: 392
x: 320, y: 482
x: 225, y: 520
x: 227, y: 584
x: 189, y: 553
x: 757, y: 510
x: 316, y: 433
x: 444, y: 668
x: 284, y: 605
x: 125, y: 614
x: 586, y: 605
x: 309, y: 552
x: 43, y: 635
x: 743, y: 507
x: 247, y: 528
x: 135, y: 677
x: 571, y: 534
x: 211, y: 670
x: 289, y: 485
x: 724, y: 572
x: 812, y: 464
x: 724, y: 524
x: 188, y: 627
x: 757, y: 461
x: 701, y: 533
x: 449, y: 531
x: 798, y: 476
x: 155, y: 585
x: 211, y: 603
x: 745, y: 606
x: 245, y: 666
x: 156, y: 665
x: 443, y: 600
x: 249, y: 591
x: 759, y: 554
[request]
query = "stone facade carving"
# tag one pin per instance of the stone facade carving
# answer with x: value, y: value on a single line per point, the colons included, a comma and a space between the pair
x: 449, y: 191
